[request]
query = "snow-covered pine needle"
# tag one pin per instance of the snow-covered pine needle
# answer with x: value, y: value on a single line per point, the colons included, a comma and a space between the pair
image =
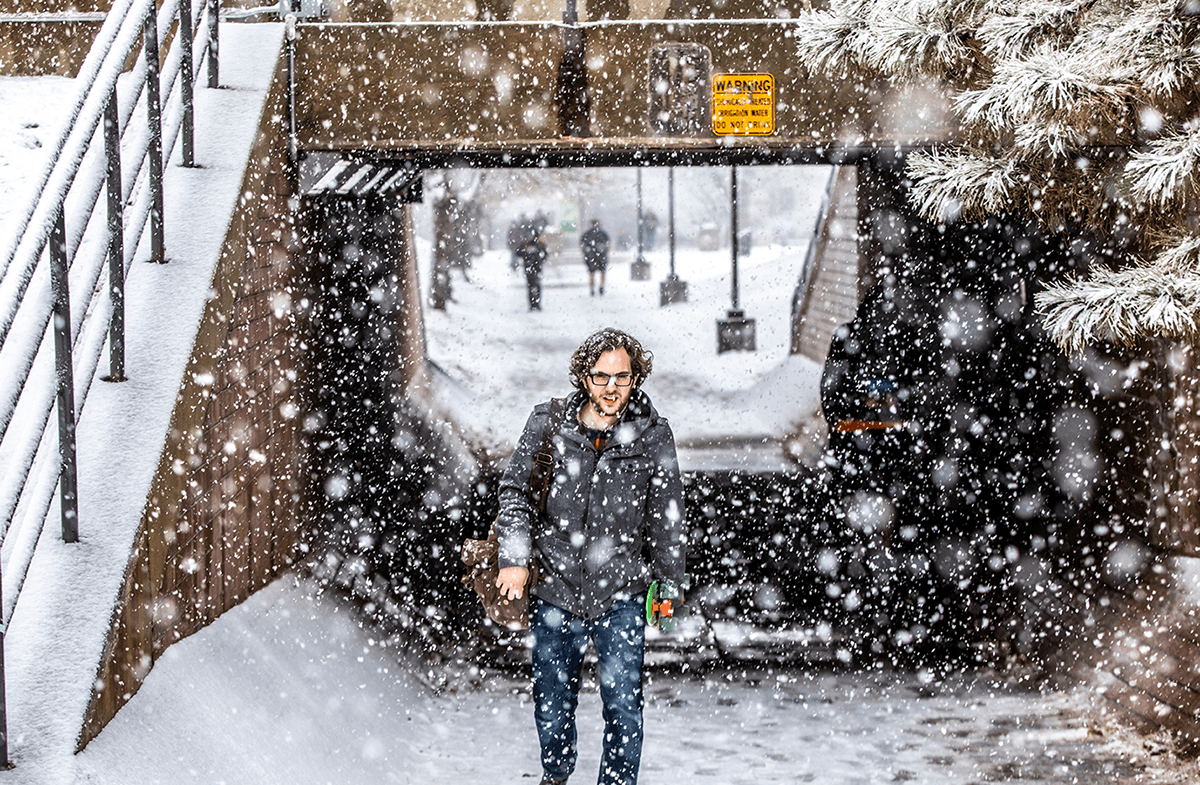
x: 1047, y: 88
x: 1179, y: 252
x: 1056, y: 87
x: 829, y: 42
x: 985, y: 112
x: 1175, y: 70
x: 907, y: 49
x: 949, y: 184
x: 1122, y: 307
x: 1165, y: 174
x: 1033, y: 26
x: 1034, y: 140
x: 1155, y: 48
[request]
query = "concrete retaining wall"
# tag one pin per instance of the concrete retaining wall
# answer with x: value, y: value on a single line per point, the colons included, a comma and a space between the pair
x: 222, y: 516
x: 834, y: 282
x: 37, y: 47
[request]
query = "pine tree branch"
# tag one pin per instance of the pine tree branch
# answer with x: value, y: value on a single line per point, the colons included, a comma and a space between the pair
x: 958, y: 184
x: 1157, y: 49
x: 1053, y: 87
x: 1055, y: 93
x: 1166, y: 175
x: 1037, y: 140
x: 904, y: 48
x: 828, y: 42
x: 1177, y: 251
x: 1122, y: 307
x: 964, y: 183
x: 1034, y: 26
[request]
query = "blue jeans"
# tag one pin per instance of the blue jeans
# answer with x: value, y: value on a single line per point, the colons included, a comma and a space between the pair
x: 559, y: 642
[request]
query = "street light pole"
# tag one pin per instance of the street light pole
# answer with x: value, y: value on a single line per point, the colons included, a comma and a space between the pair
x: 735, y: 332
x: 672, y: 290
x: 641, y: 230
x: 733, y: 237
x: 639, y: 270
x: 671, y: 214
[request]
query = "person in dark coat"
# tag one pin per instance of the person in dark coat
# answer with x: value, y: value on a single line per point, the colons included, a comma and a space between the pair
x: 877, y: 389
x: 649, y: 228
x: 516, y: 232
x: 613, y: 522
x: 594, y: 243
x: 533, y: 258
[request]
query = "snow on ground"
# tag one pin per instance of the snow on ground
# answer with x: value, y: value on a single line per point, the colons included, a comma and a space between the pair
x: 287, y: 688
x: 34, y: 111
x: 727, y: 409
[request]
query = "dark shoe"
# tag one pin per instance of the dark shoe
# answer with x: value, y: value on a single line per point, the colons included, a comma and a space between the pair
x: 548, y: 781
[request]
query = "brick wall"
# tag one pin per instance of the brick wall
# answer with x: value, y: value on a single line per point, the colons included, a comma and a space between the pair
x: 222, y: 517
x: 36, y: 47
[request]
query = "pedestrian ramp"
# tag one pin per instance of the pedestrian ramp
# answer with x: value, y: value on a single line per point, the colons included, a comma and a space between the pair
x: 163, y: 458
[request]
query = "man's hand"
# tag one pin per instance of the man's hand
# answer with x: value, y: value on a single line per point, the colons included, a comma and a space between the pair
x: 511, y: 582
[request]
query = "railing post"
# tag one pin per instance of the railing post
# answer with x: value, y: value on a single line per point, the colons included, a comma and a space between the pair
x: 4, y: 762
x: 154, y: 112
x: 186, y: 83
x: 214, y: 41
x: 292, y: 146
x: 65, y: 372
x: 116, y: 241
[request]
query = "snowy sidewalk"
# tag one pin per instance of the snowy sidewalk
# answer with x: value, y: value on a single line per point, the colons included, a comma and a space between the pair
x: 287, y: 688
x: 728, y: 410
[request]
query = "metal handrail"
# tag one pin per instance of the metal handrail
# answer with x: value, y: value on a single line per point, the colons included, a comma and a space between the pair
x: 54, y: 316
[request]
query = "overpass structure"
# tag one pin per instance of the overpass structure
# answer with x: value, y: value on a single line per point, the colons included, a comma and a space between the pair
x: 218, y: 505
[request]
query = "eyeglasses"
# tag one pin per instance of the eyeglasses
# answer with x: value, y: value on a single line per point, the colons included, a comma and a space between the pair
x: 602, y: 379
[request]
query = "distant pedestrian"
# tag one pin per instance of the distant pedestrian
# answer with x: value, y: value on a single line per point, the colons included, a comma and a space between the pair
x: 649, y: 229
x: 533, y: 257
x: 516, y: 232
x: 595, y: 244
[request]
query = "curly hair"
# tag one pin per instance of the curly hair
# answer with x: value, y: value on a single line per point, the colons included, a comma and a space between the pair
x: 607, y: 340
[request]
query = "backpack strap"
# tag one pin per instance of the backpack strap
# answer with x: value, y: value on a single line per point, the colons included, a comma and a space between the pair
x: 543, y: 460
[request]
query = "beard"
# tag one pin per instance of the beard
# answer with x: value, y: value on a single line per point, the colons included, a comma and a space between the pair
x: 609, y: 404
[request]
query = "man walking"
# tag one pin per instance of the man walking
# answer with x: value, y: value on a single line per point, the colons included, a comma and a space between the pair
x: 533, y: 257
x: 594, y: 244
x: 613, y: 521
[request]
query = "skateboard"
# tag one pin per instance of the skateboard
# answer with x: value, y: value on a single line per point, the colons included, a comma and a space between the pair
x: 664, y: 603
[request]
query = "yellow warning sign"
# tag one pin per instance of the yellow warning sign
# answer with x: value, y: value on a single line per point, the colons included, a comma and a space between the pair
x: 743, y: 104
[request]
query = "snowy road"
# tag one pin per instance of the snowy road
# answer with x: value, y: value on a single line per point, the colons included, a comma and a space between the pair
x: 287, y: 688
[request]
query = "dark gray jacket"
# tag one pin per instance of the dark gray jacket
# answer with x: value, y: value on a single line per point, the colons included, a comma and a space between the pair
x: 614, y: 520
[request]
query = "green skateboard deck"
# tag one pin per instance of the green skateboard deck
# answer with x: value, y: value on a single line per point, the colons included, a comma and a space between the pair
x: 664, y: 603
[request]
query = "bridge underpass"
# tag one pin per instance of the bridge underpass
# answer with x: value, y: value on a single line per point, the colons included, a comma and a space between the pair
x: 354, y: 138
x: 868, y: 232
x: 775, y: 539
